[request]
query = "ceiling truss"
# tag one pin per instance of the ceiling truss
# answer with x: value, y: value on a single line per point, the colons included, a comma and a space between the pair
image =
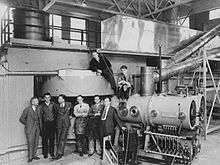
x: 135, y: 8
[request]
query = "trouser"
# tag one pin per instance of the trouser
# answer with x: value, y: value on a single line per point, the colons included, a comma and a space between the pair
x: 102, y: 140
x: 61, y: 139
x: 110, y: 78
x: 48, y: 137
x: 81, y: 142
x: 124, y: 93
x: 117, y: 134
x: 32, y: 141
x: 94, y: 145
x: 93, y: 132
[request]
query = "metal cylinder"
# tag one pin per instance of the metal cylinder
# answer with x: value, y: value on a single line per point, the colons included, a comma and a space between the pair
x: 31, y: 24
x: 173, y: 110
x: 165, y: 84
x: 147, y: 81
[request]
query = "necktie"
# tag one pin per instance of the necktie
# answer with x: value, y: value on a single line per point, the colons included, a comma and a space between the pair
x: 104, y: 113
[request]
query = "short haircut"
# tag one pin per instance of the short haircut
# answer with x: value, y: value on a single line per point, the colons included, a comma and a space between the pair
x: 108, y: 98
x: 91, y: 51
x: 97, y: 96
x: 63, y: 96
x: 47, y: 94
x: 123, y: 67
x: 79, y: 96
x: 32, y: 98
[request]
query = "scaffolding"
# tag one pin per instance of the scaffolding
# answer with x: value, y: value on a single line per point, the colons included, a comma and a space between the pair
x: 216, y: 87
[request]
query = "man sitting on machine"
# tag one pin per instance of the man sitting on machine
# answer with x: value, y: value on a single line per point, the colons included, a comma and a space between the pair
x: 102, y: 66
x: 124, y: 83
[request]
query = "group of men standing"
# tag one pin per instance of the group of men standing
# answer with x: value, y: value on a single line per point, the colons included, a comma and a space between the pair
x: 52, y: 122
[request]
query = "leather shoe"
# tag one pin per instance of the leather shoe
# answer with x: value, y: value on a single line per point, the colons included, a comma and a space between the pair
x: 52, y: 156
x: 58, y: 157
x: 30, y: 160
x: 36, y: 158
x: 45, y: 156
x: 81, y: 154
x: 91, y: 154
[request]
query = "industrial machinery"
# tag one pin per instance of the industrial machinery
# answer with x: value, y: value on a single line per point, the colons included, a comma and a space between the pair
x: 171, y: 121
x: 171, y: 124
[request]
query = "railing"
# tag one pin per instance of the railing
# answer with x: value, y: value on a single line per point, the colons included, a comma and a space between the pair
x: 5, y: 27
x: 7, y: 32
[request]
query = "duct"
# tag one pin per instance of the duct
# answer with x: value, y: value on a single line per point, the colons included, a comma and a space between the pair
x: 180, y: 68
x: 183, y: 44
x: 195, y: 46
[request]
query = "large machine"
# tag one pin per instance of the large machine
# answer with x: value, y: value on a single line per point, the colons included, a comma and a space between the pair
x: 168, y: 123
x: 171, y: 122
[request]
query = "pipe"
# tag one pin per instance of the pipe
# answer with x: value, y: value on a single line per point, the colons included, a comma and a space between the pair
x: 195, y: 46
x: 147, y: 81
x: 179, y: 68
x: 160, y: 72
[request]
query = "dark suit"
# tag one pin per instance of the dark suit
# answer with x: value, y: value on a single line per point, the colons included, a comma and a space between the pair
x: 123, y: 89
x: 49, y: 128
x: 108, y: 125
x: 62, y: 125
x: 32, y: 121
x: 105, y: 66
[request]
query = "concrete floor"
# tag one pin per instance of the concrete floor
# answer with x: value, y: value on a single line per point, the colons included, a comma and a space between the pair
x: 209, y: 155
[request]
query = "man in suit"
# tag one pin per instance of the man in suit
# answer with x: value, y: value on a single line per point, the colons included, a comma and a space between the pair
x: 31, y: 118
x: 62, y: 112
x: 94, y: 126
x: 125, y: 84
x: 49, y: 127
x: 109, y: 120
x: 81, y: 111
x: 102, y: 66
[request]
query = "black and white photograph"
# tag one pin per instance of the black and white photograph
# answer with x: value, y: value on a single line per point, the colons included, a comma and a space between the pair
x: 110, y: 82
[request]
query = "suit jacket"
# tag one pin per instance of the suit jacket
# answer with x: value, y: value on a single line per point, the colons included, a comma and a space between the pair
x: 108, y: 125
x: 47, y: 112
x: 63, y: 115
x: 122, y: 77
x: 102, y: 64
x: 31, y: 119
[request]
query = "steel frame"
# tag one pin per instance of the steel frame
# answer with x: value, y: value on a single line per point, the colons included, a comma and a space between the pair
x: 136, y: 8
x: 207, y: 68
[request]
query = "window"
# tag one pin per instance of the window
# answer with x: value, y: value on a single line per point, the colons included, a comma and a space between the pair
x: 57, y: 25
x: 77, y: 34
x: 214, y: 14
x: 2, y: 11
